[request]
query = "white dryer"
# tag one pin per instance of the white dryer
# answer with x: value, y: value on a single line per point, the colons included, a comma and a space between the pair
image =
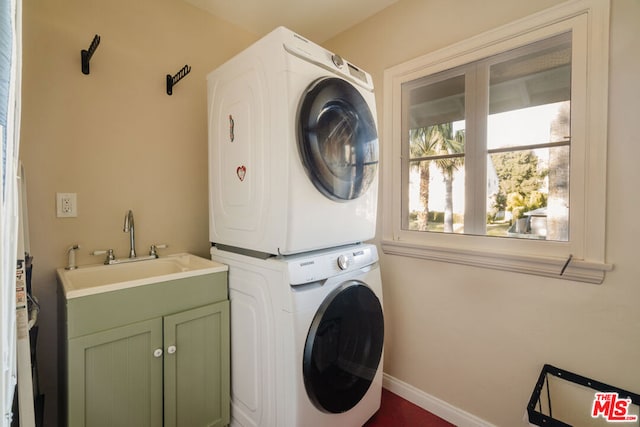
x: 293, y: 148
x: 307, y: 336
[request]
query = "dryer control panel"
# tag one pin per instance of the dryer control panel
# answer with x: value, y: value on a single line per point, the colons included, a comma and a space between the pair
x: 309, y: 51
x: 324, y: 264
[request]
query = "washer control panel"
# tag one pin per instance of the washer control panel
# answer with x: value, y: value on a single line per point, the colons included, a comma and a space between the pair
x: 324, y: 264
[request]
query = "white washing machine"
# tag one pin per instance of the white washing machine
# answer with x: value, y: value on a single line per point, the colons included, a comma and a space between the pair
x: 293, y: 148
x: 307, y: 336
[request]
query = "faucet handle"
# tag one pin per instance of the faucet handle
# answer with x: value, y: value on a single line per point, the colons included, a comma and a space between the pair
x: 110, y: 255
x: 153, y: 249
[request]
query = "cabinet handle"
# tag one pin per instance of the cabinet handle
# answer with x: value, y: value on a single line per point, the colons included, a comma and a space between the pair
x: 157, y: 352
x: 171, y: 349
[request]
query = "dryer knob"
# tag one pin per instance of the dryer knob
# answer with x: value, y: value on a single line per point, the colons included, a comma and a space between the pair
x: 337, y: 60
x: 343, y: 262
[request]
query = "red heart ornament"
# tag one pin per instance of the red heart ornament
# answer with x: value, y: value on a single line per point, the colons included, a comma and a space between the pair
x: 241, y: 171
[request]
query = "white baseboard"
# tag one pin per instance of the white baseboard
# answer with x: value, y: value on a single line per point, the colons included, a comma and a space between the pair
x: 432, y: 404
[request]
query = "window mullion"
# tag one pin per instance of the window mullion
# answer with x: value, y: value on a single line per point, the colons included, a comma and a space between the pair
x: 477, y: 109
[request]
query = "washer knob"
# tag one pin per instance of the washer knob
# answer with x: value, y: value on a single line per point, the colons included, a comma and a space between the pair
x: 343, y: 262
x: 337, y: 60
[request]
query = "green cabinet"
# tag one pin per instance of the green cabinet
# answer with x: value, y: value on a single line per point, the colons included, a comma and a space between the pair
x: 193, y: 367
x: 165, y: 364
x: 114, y: 379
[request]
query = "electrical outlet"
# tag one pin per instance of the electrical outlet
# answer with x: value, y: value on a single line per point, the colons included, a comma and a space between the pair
x: 66, y: 205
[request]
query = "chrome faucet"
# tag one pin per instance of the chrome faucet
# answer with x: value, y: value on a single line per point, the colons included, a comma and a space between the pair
x: 129, y: 228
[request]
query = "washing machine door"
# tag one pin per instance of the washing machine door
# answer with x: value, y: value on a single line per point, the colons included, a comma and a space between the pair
x: 337, y: 139
x: 343, y: 348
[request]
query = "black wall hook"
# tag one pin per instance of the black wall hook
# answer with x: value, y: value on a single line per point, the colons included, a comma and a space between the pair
x: 87, y: 54
x: 173, y: 80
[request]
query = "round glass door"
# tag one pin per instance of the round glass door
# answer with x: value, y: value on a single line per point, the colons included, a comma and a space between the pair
x: 343, y: 348
x: 337, y: 139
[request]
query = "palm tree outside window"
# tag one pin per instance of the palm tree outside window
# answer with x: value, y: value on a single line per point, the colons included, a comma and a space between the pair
x: 436, y: 146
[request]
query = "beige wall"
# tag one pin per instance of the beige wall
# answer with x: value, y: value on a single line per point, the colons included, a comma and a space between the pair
x: 477, y: 338
x: 114, y: 136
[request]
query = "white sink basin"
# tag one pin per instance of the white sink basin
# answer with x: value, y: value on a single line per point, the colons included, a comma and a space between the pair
x: 93, y: 279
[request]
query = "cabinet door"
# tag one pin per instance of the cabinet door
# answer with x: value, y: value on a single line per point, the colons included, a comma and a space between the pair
x: 196, y: 367
x: 114, y: 377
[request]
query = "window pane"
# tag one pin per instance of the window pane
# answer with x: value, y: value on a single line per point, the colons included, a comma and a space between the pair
x: 529, y: 194
x: 436, y: 130
x: 537, y: 125
x: 435, y: 103
x: 540, y: 75
x: 528, y: 142
x: 436, y: 195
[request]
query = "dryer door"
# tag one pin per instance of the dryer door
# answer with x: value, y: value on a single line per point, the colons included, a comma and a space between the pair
x: 343, y: 347
x: 337, y: 139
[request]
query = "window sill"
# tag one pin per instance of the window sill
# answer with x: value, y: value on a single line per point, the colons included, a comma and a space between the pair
x: 575, y: 269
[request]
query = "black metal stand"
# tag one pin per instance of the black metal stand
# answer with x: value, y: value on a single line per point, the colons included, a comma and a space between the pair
x: 534, y: 408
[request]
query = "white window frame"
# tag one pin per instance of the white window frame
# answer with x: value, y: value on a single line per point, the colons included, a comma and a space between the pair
x: 583, y: 257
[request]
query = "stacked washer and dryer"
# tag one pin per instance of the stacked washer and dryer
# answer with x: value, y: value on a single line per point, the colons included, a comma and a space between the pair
x: 293, y: 176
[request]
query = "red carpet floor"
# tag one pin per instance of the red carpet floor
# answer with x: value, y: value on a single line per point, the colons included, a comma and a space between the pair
x: 397, y: 412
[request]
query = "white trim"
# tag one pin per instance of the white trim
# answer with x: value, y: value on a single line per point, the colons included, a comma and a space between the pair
x: 589, y: 21
x: 568, y: 269
x: 432, y: 404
